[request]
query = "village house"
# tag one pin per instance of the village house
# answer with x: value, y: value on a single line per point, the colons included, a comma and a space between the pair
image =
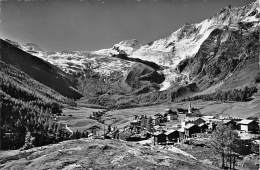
x: 171, y: 115
x: 181, y: 111
x: 231, y: 123
x: 158, y: 119
x: 155, y: 120
x: 181, y: 133
x: 94, y: 129
x: 247, y: 125
x: 159, y: 138
x: 203, y: 127
x: 172, y: 135
x: 191, y: 129
x: 135, y: 125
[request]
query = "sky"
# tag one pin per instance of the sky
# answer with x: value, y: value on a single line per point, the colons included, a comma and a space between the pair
x: 57, y: 25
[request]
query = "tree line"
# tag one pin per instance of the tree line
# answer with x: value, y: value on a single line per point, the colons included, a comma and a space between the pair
x: 229, y: 95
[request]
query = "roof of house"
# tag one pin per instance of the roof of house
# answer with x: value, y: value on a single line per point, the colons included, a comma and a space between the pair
x: 227, y: 121
x: 245, y: 121
x: 181, y: 110
x: 158, y: 133
x: 189, y: 125
x: 170, y: 131
x: 208, y: 117
x: 202, y: 124
x: 192, y: 118
x: 135, y: 121
x: 94, y: 127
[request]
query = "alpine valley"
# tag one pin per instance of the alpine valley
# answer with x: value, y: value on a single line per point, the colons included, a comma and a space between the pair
x: 213, y: 64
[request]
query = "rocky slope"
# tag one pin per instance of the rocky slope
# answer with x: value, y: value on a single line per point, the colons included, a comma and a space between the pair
x: 99, y: 154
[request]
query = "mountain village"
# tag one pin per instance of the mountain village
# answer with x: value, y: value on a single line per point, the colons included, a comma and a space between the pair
x: 176, y: 126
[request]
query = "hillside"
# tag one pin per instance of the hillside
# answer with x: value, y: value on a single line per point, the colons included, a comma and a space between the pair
x: 99, y: 154
x: 226, y: 62
x: 38, y: 69
x: 26, y: 105
x: 13, y: 80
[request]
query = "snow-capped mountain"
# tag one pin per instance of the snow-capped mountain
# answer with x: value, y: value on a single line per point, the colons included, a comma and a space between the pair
x: 167, y: 52
x: 185, y: 42
x: 128, y: 46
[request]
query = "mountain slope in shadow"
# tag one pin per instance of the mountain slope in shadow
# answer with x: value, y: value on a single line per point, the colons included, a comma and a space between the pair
x: 39, y: 70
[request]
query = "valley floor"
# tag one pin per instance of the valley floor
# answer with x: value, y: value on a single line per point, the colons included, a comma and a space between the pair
x: 78, y: 118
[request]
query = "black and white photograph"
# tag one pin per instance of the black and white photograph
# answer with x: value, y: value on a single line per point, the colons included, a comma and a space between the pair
x: 129, y: 85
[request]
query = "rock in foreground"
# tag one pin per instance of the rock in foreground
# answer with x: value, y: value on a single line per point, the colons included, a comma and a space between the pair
x: 97, y: 154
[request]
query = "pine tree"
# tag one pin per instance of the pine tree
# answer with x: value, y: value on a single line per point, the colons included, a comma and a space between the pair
x: 223, y: 141
x: 29, y: 140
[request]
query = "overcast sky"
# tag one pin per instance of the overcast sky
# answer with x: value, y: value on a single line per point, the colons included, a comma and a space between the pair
x: 96, y: 24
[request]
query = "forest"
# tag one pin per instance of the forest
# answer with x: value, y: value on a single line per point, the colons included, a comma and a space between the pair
x: 239, y: 95
x: 28, y: 107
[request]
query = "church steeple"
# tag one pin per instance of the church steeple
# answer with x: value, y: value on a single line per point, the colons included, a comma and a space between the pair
x: 189, y: 108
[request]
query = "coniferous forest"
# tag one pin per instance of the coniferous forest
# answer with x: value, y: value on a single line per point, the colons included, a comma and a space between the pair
x: 28, y: 109
x: 239, y: 95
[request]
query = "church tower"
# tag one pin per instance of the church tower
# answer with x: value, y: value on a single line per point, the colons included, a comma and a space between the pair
x: 189, y: 108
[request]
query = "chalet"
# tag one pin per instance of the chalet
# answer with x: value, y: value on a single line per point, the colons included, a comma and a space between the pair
x: 203, y: 127
x: 181, y: 133
x: 135, y: 125
x: 181, y: 111
x: 191, y: 129
x: 172, y: 135
x: 156, y: 120
x: 247, y: 125
x: 159, y: 138
x: 94, y: 129
x: 230, y: 123
x: 171, y: 115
